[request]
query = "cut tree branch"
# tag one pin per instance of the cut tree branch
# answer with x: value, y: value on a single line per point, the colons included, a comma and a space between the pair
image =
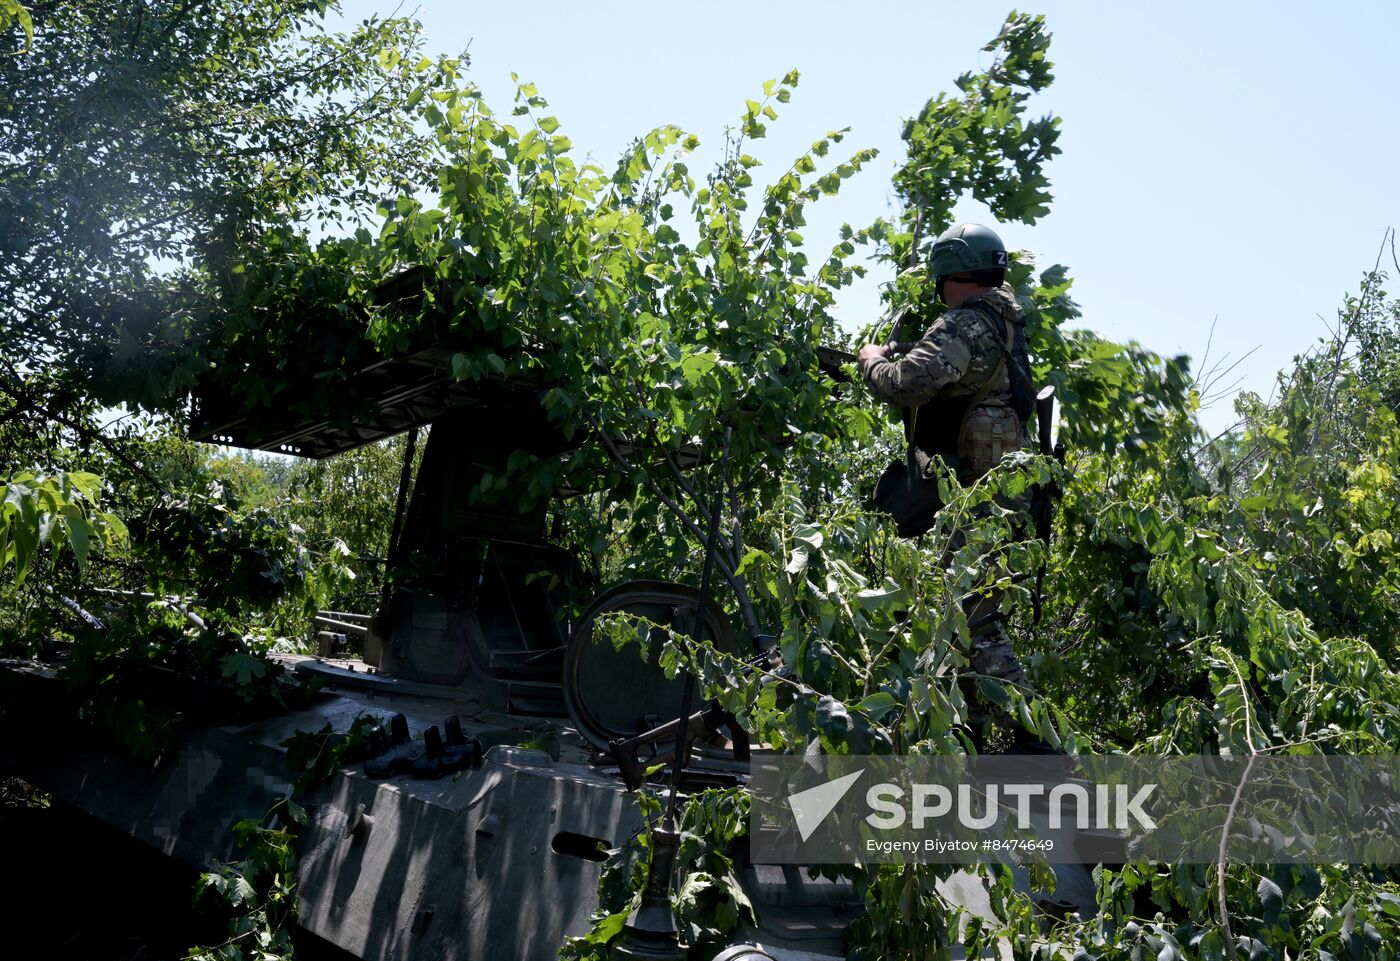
x: 722, y: 562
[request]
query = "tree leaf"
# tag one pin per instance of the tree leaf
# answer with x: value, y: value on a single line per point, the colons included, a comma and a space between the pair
x: 242, y: 668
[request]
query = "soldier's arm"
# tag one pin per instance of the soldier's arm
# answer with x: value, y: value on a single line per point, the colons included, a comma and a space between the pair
x: 940, y: 358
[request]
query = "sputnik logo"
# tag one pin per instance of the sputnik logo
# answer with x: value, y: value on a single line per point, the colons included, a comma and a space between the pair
x: 811, y: 807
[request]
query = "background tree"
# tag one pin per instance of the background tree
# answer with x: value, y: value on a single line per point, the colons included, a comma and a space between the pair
x: 139, y: 142
x: 140, y: 145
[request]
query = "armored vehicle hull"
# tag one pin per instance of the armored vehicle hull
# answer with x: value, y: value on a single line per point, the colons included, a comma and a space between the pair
x: 500, y: 859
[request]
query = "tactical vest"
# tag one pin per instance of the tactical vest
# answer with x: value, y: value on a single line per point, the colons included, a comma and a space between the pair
x: 940, y: 423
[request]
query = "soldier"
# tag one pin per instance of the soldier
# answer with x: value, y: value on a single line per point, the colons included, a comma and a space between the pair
x: 966, y: 389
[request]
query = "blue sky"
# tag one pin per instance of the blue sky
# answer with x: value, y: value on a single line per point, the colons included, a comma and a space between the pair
x: 1226, y: 163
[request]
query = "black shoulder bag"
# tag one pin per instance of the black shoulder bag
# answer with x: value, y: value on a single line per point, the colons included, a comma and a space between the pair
x: 908, y: 489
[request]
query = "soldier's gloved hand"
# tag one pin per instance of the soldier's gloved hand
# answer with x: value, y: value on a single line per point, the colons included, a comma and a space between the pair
x: 871, y: 351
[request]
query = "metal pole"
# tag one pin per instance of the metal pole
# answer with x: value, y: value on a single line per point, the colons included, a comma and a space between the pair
x: 696, y: 622
x: 404, y: 477
x: 650, y: 933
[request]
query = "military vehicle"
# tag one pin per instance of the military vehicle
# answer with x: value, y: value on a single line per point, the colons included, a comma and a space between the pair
x: 479, y: 827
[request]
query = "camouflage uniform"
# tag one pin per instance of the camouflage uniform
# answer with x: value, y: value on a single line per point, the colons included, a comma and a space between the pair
x: 954, y: 359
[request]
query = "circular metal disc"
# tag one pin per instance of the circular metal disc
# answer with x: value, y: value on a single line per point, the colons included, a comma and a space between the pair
x: 612, y: 693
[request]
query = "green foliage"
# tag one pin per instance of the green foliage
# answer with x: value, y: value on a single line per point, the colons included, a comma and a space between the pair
x: 145, y: 673
x: 872, y: 632
x: 259, y: 891
x: 249, y: 564
x: 13, y: 13
x: 1234, y: 596
x: 1194, y: 573
x: 1114, y: 398
x: 534, y: 269
x: 979, y: 143
x: 1175, y: 623
x: 315, y: 757
x: 219, y: 532
x: 345, y: 507
x: 144, y: 142
x: 1200, y: 599
x: 649, y: 335
x: 710, y: 902
x: 1239, y: 598
x: 217, y: 577
x: 54, y: 511
x: 236, y: 557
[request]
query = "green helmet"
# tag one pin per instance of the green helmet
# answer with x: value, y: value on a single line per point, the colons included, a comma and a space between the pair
x: 965, y: 248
